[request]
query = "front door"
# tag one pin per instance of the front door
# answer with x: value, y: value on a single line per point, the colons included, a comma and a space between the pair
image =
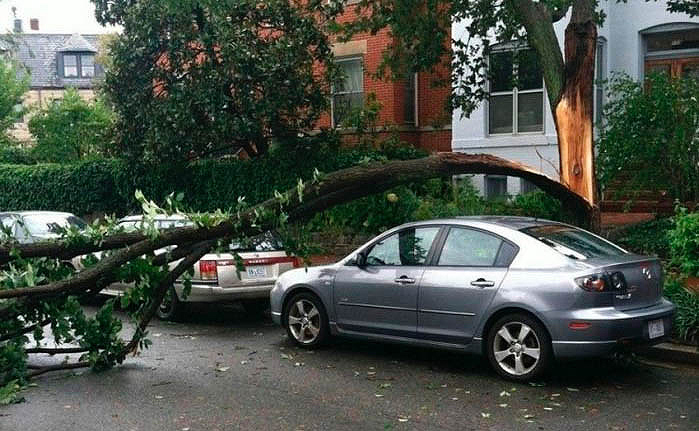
x: 381, y: 296
x: 457, y: 289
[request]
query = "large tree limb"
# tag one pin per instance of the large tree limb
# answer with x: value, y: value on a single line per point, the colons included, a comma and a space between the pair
x: 335, y: 188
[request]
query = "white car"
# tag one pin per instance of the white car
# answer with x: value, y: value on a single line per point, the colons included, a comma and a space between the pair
x: 216, y: 278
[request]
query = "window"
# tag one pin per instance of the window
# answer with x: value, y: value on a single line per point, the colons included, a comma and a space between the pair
x: 87, y: 66
x: 495, y: 187
x: 572, y: 242
x: 408, y: 247
x: 76, y: 65
x: 348, y: 94
x: 70, y: 66
x: 527, y: 186
x: 672, y: 49
x: 600, y: 78
x: 468, y: 247
x: 410, y: 114
x: 516, y: 103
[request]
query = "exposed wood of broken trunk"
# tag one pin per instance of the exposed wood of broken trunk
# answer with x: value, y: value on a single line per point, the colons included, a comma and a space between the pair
x: 573, y: 111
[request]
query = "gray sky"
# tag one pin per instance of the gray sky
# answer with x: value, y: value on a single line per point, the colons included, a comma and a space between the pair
x: 55, y: 16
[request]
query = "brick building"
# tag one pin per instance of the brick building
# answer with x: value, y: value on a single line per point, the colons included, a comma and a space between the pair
x: 413, y: 108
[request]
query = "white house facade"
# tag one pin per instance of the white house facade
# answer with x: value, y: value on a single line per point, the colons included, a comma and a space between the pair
x: 516, y: 123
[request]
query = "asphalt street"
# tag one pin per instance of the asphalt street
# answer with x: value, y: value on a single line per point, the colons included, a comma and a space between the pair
x: 223, y: 370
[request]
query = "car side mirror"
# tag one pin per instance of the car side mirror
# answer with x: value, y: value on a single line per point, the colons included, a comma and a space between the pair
x: 360, y: 260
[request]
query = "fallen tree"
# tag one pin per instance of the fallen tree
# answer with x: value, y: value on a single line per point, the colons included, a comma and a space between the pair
x: 37, y: 289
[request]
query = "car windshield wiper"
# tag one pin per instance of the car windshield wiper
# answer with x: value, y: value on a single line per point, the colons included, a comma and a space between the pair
x: 561, y: 249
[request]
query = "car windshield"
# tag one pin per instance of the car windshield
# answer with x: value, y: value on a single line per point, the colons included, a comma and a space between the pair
x: 572, y: 242
x: 268, y: 241
x: 43, y: 224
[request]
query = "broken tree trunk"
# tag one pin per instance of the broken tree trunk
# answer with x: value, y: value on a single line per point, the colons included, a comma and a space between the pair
x: 573, y: 111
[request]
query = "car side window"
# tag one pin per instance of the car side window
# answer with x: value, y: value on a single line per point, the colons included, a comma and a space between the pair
x: 469, y: 247
x: 408, y: 247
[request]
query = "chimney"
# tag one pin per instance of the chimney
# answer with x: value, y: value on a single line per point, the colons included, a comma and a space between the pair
x: 34, y: 24
x: 18, y: 25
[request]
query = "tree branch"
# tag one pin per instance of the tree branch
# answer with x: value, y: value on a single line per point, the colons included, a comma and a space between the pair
x: 57, y: 350
x: 197, y: 252
x: 537, y: 21
x: 66, y: 366
x: 340, y: 187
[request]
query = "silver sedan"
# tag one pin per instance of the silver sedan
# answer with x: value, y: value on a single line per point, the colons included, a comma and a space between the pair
x: 521, y: 291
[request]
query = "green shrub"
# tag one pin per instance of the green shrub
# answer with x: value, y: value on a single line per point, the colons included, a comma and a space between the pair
x: 648, y: 238
x: 649, y: 138
x: 686, y: 324
x: 71, y: 129
x: 431, y: 199
x: 684, y: 242
x: 109, y: 185
x: 11, y: 153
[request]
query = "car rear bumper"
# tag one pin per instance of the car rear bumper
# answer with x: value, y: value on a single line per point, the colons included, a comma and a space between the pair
x: 609, y: 329
x: 202, y: 292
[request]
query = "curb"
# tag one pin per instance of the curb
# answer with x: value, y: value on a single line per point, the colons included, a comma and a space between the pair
x: 672, y: 352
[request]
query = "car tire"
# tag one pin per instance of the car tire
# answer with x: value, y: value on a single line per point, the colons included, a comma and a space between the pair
x: 255, y: 306
x: 171, y: 307
x: 306, y: 324
x: 519, y: 347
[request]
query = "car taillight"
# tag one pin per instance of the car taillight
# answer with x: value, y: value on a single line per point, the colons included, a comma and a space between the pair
x: 207, y: 270
x: 613, y: 282
x: 298, y: 262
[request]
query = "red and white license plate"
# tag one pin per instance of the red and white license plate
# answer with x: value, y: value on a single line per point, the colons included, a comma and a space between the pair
x: 656, y: 328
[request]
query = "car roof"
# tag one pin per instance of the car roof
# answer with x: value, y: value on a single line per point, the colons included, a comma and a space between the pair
x: 27, y: 213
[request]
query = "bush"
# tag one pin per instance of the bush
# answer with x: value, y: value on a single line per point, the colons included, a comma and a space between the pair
x: 686, y: 324
x: 108, y: 186
x: 431, y: 199
x: 71, y: 129
x: 684, y: 242
x: 648, y: 238
x: 649, y: 139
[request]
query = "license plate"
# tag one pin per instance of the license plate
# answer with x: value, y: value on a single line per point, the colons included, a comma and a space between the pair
x: 257, y: 272
x: 656, y: 328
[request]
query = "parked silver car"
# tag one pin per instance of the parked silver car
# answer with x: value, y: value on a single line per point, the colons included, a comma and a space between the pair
x: 519, y: 290
x: 34, y: 226
x: 216, y: 278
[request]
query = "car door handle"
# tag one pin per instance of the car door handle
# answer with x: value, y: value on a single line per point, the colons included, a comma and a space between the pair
x: 405, y: 280
x: 482, y: 282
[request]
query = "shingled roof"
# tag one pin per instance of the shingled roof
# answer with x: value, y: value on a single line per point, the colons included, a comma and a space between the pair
x: 38, y: 52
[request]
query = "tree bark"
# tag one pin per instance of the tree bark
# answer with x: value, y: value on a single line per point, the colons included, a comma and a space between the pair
x: 573, y: 113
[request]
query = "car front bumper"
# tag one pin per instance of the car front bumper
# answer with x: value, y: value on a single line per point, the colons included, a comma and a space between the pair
x: 609, y: 329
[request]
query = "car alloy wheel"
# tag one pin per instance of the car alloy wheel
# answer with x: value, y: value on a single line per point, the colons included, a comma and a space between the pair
x: 304, y: 321
x: 516, y: 348
x: 519, y: 347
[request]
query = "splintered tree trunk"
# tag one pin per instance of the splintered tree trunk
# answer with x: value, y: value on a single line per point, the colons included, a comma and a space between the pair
x: 574, y: 111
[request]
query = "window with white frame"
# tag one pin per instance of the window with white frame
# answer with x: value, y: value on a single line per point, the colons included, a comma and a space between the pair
x: 516, y: 103
x: 78, y: 65
x: 348, y: 93
x: 600, y: 78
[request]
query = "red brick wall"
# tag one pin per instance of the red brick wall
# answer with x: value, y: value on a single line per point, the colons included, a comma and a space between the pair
x: 434, y: 122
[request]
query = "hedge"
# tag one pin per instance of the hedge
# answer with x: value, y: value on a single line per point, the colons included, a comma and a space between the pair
x: 108, y: 186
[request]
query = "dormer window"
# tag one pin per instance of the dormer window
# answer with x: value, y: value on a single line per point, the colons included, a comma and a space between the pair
x: 78, y: 65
